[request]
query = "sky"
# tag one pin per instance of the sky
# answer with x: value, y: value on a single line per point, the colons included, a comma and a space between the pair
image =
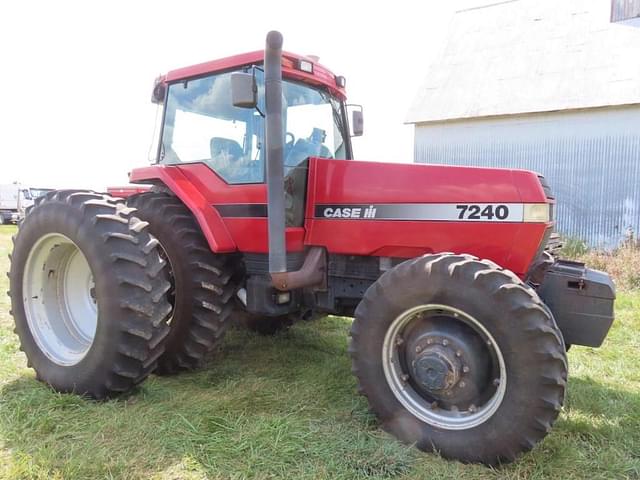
x: 77, y: 76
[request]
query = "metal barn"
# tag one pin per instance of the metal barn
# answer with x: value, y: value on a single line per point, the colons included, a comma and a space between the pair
x: 547, y: 86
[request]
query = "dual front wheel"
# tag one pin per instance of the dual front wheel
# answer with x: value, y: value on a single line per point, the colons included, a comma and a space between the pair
x: 453, y: 354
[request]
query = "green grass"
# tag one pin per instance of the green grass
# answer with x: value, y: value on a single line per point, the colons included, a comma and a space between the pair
x: 623, y: 263
x: 286, y: 407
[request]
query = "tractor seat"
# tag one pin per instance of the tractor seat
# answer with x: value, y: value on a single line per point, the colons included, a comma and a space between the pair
x: 225, y: 150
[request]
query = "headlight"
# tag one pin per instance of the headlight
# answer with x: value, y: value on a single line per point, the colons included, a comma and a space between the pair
x: 537, y: 212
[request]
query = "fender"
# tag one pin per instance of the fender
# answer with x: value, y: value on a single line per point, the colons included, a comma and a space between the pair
x: 211, y: 224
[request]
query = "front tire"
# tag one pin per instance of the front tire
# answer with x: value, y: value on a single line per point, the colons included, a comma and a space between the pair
x: 88, y: 294
x: 458, y: 356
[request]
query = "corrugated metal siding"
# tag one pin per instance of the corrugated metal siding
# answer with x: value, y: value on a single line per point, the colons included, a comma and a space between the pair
x: 590, y: 158
x: 624, y: 10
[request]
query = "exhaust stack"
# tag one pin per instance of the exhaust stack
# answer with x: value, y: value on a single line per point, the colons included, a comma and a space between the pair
x: 274, y: 138
x: 312, y: 271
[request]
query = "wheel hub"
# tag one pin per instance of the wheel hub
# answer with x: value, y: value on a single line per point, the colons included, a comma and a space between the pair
x: 446, y: 361
x: 436, y: 369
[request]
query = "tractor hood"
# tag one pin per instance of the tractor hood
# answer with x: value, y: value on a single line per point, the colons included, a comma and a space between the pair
x: 406, y: 210
x: 392, y: 183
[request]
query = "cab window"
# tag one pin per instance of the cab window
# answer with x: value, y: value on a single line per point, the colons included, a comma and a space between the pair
x: 202, y: 125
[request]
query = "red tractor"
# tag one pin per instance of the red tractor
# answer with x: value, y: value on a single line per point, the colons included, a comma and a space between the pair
x: 255, y: 210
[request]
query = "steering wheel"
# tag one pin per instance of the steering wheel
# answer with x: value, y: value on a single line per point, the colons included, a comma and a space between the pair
x: 290, y: 139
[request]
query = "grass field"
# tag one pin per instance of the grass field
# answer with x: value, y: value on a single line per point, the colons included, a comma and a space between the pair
x: 286, y: 407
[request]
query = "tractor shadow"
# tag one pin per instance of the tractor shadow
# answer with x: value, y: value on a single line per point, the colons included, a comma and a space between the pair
x: 600, y: 414
x: 593, y: 398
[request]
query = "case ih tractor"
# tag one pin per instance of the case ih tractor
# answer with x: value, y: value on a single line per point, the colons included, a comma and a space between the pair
x: 255, y: 210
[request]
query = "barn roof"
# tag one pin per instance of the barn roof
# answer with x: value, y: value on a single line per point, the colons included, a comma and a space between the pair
x: 523, y: 56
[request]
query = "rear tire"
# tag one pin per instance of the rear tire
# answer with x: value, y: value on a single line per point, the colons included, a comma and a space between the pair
x: 88, y: 294
x: 510, y: 409
x: 202, y: 281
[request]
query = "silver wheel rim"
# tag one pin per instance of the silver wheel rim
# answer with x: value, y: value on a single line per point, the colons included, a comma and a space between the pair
x: 59, y: 299
x: 423, y: 408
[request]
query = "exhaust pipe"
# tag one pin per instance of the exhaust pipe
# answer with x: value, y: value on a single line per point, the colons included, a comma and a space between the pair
x: 312, y: 271
x: 274, y: 139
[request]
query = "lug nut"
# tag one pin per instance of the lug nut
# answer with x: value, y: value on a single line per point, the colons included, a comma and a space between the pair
x: 404, y: 377
x: 488, y: 343
x: 445, y: 342
x: 462, y: 384
x: 399, y: 341
x: 434, y: 405
x: 418, y: 349
x: 465, y: 369
x: 472, y: 408
x: 458, y: 353
x: 429, y: 341
x: 496, y: 382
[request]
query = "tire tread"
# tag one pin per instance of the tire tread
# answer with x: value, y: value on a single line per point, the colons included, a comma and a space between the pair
x: 523, y: 305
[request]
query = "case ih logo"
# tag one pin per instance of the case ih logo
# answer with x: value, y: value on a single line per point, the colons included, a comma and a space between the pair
x: 440, y: 212
x: 340, y: 211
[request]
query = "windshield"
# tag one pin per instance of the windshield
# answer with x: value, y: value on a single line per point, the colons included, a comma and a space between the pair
x: 202, y: 125
x: 38, y: 192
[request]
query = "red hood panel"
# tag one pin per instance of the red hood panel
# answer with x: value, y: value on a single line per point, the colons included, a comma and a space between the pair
x: 368, y: 185
x: 341, y: 181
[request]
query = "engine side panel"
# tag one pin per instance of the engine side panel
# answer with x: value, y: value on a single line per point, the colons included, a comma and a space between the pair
x: 424, y: 199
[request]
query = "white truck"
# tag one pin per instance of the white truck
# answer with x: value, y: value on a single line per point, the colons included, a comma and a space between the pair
x: 11, y: 203
x: 15, y: 199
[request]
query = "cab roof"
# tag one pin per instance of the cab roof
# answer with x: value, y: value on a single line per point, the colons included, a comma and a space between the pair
x: 321, y: 76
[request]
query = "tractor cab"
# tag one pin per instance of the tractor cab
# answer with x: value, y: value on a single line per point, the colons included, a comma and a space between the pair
x: 204, y: 123
x: 214, y: 115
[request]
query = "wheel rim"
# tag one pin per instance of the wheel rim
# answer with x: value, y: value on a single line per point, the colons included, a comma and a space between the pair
x: 444, y: 367
x: 59, y: 299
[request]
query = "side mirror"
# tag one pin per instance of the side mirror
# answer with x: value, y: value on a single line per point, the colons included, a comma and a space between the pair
x: 244, y: 92
x: 357, y: 120
x: 159, y: 91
